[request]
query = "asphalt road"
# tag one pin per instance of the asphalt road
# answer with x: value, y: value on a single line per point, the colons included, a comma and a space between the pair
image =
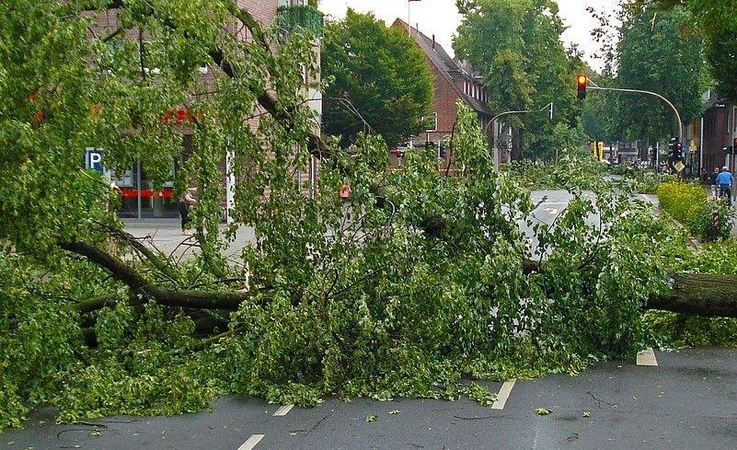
x: 688, y: 401
x: 165, y: 234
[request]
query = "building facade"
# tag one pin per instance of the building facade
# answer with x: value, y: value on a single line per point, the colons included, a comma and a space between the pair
x: 454, y: 81
x: 138, y: 197
x: 716, y: 132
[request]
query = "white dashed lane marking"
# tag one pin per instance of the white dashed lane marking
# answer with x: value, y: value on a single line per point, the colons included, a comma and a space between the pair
x: 646, y: 357
x: 503, y: 395
x: 283, y: 410
x: 251, y: 442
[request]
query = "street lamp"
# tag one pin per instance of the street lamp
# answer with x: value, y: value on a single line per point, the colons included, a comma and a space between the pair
x: 548, y: 107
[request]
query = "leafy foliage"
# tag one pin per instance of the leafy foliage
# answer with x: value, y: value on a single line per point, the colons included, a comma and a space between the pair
x: 39, y: 335
x: 418, y: 280
x: 573, y: 168
x: 688, y: 203
x: 716, y: 23
x: 673, y: 330
x: 656, y: 55
x: 346, y: 304
x: 135, y: 374
x: 516, y: 46
x: 377, y: 79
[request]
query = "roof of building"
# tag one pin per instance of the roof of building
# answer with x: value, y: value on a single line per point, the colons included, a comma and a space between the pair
x: 450, y: 68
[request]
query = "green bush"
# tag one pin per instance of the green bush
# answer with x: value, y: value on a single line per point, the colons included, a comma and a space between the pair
x: 673, y: 330
x: 689, y: 204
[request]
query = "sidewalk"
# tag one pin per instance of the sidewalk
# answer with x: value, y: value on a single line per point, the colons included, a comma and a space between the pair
x: 166, y: 236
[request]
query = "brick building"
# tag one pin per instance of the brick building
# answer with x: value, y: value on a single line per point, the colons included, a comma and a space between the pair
x: 138, y: 198
x: 717, y: 142
x: 453, y: 81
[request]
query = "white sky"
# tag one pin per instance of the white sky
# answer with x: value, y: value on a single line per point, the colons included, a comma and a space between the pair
x: 440, y: 17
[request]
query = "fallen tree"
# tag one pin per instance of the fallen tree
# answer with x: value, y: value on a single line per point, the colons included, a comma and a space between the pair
x: 709, y: 295
x: 361, y: 298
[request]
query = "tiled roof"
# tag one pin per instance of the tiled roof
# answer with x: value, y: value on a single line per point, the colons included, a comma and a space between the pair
x: 446, y: 65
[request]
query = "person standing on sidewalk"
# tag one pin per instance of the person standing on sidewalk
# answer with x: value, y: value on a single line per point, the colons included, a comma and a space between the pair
x: 184, y: 205
x: 725, y: 180
x: 713, y: 182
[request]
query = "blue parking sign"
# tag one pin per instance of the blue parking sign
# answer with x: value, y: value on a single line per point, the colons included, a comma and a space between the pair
x: 93, y: 159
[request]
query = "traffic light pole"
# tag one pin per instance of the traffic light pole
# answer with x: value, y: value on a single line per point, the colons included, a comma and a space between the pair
x: 548, y: 107
x: 638, y: 91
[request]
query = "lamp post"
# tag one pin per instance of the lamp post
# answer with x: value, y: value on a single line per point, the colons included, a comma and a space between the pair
x: 548, y: 107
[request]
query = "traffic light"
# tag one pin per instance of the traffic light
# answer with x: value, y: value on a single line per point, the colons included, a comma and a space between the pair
x: 674, y: 148
x: 581, y: 81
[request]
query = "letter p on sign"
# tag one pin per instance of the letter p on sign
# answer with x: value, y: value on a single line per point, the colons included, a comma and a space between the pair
x: 93, y: 159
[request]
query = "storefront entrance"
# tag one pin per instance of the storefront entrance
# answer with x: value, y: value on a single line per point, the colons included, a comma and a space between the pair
x: 140, y: 201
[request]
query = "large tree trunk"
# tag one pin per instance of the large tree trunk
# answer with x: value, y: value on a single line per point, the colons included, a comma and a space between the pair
x: 700, y: 294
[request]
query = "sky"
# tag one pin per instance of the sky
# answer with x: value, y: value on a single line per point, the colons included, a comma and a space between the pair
x: 440, y: 17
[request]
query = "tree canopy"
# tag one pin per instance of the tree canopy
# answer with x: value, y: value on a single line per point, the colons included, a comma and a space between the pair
x: 377, y: 80
x: 655, y: 55
x: 716, y: 23
x: 516, y: 46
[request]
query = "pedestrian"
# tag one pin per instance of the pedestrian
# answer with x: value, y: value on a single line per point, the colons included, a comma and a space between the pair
x: 713, y: 183
x: 725, y: 181
x: 185, y: 203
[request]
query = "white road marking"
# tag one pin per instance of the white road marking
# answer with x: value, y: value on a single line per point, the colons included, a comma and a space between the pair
x: 546, y: 203
x: 504, y: 391
x: 646, y: 357
x: 251, y: 442
x: 283, y: 410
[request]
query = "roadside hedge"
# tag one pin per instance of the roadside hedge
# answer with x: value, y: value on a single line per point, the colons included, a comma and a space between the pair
x: 689, y: 204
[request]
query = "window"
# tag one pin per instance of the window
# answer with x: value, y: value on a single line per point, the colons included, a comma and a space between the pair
x: 292, y: 2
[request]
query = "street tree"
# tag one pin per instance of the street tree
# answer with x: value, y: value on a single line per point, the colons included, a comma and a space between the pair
x: 655, y: 54
x: 716, y: 24
x: 516, y: 46
x: 377, y: 80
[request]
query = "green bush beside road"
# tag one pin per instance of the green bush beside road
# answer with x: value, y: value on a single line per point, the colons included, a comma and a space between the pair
x: 689, y: 204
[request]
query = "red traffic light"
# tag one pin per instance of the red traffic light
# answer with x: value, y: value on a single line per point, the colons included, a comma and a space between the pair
x: 581, y: 81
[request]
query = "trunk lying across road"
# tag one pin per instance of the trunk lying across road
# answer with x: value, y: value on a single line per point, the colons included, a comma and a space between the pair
x: 697, y: 294
x: 700, y: 294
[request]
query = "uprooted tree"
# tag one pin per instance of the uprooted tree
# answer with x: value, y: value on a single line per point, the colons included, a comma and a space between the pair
x: 421, y: 279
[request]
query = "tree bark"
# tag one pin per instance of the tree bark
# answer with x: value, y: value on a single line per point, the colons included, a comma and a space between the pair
x: 138, y: 285
x: 708, y: 295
